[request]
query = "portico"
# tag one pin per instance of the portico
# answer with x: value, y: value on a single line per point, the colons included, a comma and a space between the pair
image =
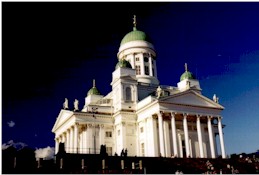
x: 189, y: 135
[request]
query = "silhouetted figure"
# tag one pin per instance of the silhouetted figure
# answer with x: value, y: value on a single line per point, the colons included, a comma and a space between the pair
x: 122, y: 152
x: 126, y: 153
x: 61, y: 150
x: 103, y: 152
x: 115, y: 154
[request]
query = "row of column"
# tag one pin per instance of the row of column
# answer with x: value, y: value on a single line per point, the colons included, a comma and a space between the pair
x: 85, y: 138
x: 186, y: 136
x: 70, y: 138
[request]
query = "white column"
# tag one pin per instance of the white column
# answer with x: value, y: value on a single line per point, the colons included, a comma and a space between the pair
x: 91, y: 137
x: 67, y: 141
x: 190, y: 145
x: 186, y: 135
x: 223, y: 153
x: 180, y: 145
x: 56, y: 145
x: 167, y: 139
x: 79, y: 142
x: 200, y: 137
x: 134, y: 62
x: 150, y: 65
x: 61, y: 138
x: 174, y: 134
x: 101, y: 135
x: 76, y: 138
x: 146, y: 141
x: 85, y: 139
x: 161, y: 134
x: 142, y: 66
x: 212, y: 148
x: 156, y: 153
x: 71, y: 134
x: 151, y: 139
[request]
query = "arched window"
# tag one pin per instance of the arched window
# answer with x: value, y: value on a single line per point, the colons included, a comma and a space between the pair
x: 128, y: 94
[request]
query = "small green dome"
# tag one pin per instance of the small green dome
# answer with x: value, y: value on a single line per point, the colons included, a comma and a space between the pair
x: 93, y: 91
x: 134, y: 36
x: 187, y: 75
x: 123, y: 63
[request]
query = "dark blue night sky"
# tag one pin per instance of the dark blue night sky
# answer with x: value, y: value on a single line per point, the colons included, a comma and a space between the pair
x: 53, y: 50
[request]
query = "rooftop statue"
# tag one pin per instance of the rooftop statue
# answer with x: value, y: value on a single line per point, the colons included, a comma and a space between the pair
x: 65, y: 104
x: 76, y: 102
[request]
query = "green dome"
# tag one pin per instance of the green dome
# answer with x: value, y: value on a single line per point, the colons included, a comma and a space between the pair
x: 93, y: 91
x: 134, y: 36
x: 187, y: 75
x: 123, y: 63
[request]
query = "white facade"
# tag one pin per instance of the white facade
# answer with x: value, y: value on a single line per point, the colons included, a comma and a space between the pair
x: 142, y: 116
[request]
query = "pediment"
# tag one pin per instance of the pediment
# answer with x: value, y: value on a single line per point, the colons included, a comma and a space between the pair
x: 191, y: 98
x: 62, y: 117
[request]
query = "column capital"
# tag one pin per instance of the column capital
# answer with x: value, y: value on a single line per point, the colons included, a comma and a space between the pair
x: 185, y: 114
x: 173, y: 113
x: 198, y: 115
x: 209, y: 117
x: 56, y: 139
x: 220, y: 117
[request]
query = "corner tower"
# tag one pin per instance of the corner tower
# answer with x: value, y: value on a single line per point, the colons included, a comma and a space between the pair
x: 137, y: 49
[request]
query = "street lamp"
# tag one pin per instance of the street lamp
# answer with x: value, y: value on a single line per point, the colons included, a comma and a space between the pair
x: 94, y: 109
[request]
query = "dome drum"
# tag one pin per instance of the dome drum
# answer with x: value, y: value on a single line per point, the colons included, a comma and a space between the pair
x: 136, y: 46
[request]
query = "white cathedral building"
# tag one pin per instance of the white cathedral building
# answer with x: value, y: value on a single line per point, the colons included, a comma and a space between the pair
x: 142, y: 116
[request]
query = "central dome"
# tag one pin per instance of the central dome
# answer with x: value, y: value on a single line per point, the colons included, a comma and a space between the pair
x: 135, y: 35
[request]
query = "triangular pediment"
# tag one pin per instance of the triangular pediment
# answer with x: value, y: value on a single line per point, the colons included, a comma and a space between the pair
x: 62, y: 117
x: 191, y: 98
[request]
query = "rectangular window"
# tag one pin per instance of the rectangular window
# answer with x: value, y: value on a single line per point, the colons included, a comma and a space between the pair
x: 137, y: 70
x: 108, y: 134
x: 142, y: 149
x: 137, y: 58
x: 146, y: 70
x: 141, y: 130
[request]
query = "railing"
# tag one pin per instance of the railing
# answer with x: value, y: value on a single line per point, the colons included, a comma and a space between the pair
x: 82, y: 150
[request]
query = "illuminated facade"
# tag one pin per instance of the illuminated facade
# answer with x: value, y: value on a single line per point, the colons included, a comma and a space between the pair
x: 142, y: 116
